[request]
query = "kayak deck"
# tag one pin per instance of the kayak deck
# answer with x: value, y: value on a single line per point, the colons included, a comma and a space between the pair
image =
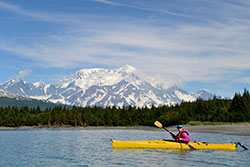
x: 162, y: 144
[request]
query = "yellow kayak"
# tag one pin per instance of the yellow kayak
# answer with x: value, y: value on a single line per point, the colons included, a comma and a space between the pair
x: 162, y: 144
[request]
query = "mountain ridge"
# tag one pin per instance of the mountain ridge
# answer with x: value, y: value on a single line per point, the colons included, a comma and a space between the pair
x: 8, y: 99
x: 105, y: 87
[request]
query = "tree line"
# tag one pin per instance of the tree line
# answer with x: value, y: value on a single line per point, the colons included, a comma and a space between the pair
x: 214, y: 110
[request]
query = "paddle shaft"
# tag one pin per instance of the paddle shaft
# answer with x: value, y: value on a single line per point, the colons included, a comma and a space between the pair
x: 173, y: 135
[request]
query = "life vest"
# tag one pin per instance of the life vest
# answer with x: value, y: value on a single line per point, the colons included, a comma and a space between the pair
x: 179, y: 135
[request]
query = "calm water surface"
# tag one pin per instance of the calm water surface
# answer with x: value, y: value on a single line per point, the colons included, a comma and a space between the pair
x: 87, y: 148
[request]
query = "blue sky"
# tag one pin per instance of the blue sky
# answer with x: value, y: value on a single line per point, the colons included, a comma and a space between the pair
x: 196, y: 44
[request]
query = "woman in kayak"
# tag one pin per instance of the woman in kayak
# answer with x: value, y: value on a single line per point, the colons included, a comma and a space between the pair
x: 182, y: 136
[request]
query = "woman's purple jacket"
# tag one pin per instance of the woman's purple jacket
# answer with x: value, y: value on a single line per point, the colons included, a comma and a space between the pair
x: 184, y: 136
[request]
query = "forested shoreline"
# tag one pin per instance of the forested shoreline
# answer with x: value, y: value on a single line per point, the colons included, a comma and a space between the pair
x: 214, y: 110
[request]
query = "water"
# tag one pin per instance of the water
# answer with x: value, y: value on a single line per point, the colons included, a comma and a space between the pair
x: 93, y: 148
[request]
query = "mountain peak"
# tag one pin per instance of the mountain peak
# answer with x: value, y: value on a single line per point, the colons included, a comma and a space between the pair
x: 14, y: 81
x: 127, y: 68
x: 38, y: 84
x: 202, y: 91
x: 203, y: 94
x: 87, y: 71
x: 86, y: 78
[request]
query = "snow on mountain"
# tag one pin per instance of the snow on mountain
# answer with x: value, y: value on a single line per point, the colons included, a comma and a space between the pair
x: 7, y: 94
x: 13, y: 96
x: 104, y: 87
x: 203, y: 94
x: 86, y: 78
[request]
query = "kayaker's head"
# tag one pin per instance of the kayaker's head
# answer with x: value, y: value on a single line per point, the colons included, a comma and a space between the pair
x: 179, y: 127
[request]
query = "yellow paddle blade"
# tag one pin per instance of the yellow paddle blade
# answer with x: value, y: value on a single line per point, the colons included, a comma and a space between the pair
x: 158, y: 124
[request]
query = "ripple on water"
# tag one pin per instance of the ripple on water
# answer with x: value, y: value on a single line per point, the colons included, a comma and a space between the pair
x: 87, y: 148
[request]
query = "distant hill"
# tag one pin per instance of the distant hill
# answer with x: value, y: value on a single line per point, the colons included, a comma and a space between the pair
x: 7, y: 99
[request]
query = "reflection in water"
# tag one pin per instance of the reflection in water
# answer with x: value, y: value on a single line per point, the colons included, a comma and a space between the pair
x: 143, y: 149
x: 159, y: 157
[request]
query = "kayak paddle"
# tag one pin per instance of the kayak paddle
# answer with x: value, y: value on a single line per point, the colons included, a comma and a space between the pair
x: 159, y: 125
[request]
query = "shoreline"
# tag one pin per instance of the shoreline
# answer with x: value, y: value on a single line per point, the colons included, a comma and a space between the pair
x: 242, y: 129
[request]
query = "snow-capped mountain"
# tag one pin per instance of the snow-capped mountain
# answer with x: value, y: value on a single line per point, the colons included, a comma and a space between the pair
x: 105, y: 87
x: 203, y: 94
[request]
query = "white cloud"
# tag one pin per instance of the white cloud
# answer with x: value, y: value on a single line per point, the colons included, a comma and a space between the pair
x: 244, y: 80
x: 108, y: 2
x: 22, y: 74
x: 19, y: 10
x: 191, y: 52
x: 41, y: 16
x: 206, y: 52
